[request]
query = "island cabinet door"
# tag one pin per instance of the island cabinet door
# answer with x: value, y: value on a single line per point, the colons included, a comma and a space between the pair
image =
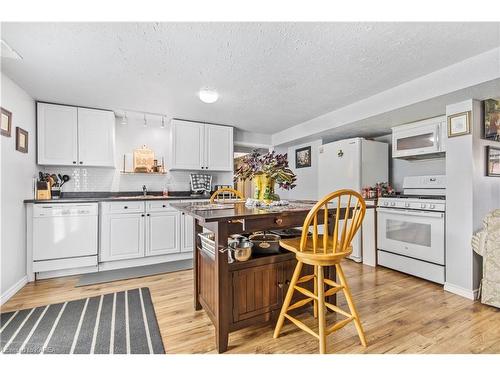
x: 256, y: 291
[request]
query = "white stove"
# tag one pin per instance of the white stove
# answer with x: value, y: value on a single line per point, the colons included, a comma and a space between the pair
x: 411, y: 228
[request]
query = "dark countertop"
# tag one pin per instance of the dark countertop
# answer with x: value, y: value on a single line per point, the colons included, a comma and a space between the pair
x: 203, y: 212
x: 86, y: 197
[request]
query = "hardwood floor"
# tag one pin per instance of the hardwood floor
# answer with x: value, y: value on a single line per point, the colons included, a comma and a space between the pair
x: 400, y: 314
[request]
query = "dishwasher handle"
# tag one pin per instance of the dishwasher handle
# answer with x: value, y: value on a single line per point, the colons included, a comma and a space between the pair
x: 65, y: 209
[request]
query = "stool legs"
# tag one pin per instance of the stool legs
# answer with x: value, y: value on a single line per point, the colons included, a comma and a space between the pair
x: 288, y: 299
x: 351, y: 305
x: 315, y: 309
x: 321, y: 310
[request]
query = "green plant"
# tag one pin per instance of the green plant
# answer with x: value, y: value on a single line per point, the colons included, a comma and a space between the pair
x: 271, y: 164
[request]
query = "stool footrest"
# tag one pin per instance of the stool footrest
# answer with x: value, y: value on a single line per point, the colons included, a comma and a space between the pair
x: 305, y: 279
x: 300, y: 303
x: 338, y: 310
x: 302, y: 326
x: 339, y: 325
x: 305, y: 292
x: 331, y: 283
x: 332, y: 291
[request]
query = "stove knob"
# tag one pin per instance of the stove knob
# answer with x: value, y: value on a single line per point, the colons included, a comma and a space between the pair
x: 432, y: 206
x: 423, y: 205
x: 407, y: 205
x: 386, y: 203
x: 393, y: 204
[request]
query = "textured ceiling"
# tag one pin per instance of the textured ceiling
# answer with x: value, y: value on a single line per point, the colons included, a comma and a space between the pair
x: 270, y: 75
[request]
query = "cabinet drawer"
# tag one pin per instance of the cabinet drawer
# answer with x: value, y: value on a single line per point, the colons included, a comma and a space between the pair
x: 160, y: 206
x: 273, y: 222
x: 123, y: 207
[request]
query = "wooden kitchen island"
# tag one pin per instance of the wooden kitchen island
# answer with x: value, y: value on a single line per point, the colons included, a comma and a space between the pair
x: 240, y: 294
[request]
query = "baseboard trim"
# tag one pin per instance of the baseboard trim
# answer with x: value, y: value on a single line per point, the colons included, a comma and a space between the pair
x: 467, y: 293
x: 13, y: 290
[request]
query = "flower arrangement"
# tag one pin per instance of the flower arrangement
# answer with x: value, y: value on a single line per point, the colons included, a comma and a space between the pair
x: 274, y: 166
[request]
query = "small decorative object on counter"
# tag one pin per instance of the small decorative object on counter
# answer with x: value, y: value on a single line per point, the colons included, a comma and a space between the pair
x: 266, y: 170
x: 381, y: 189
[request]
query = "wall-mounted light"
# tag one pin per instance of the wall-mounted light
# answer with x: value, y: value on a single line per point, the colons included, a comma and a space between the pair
x: 208, y: 96
x: 124, y: 119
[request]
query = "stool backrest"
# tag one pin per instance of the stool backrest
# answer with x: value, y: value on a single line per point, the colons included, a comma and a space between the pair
x: 226, y: 193
x: 345, y: 224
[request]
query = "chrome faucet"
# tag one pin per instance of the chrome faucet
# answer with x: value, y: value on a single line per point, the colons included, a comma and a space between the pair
x: 144, y: 190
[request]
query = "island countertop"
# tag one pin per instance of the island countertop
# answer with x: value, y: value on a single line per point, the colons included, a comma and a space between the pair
x: 207, y: 213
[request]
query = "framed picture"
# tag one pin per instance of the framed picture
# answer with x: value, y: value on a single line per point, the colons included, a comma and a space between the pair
x: 492, y: 161
x: 303, y: 157
x: 492, y: 119
x: 21, y: 140
x: 459, y: 124
x: 5, y: 122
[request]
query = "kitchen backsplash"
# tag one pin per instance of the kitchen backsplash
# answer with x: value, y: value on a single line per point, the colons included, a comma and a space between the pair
x: 105, y: 179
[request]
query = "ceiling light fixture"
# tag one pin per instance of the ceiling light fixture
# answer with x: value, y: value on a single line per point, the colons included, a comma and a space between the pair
x: 208, y: 96
x: 162, y: 122
x: 124, y: 119
x: 145, y: 121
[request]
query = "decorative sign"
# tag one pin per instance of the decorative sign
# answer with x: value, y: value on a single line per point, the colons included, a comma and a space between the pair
x: 143, y: 159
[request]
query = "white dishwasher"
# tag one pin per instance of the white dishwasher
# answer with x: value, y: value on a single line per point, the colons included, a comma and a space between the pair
x: 64, y: 236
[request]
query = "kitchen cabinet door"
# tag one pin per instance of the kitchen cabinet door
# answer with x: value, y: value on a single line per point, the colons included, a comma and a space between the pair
x: 187, y: 225
x: 187, y: 145
x: 96, y: 138
x: 219, y: 148
x: 163, y: 232
x: 122, y: 236
x: 256, y: 291
x: 57, y: 134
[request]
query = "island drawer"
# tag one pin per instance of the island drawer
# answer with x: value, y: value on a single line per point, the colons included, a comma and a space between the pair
x: 272, y: 222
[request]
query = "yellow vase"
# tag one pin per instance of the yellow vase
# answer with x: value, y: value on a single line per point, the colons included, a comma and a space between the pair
x: 264, y: 188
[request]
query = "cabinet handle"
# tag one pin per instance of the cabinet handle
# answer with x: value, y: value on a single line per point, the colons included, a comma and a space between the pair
x: 74, y: 162
x: 125, y: 207
x: 287, y: 282
x: 142, y: 215
x: 81, y: 162
x: 148, y: 215
x: 279, y: 221
x: 164, y: 206
x: 280, y: 285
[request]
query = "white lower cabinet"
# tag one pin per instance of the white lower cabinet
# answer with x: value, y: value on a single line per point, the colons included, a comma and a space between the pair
x: 141, y: 229
x: 187, y: 227
x: 162, y: 233
x: 122, y: 236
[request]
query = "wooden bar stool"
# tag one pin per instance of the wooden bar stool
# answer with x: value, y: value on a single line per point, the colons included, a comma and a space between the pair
x: 321, y: 250
x: 231, y: 195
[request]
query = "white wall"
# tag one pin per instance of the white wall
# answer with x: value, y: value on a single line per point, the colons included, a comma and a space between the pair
x: 17, y: 171
x: 470, y: 196
x: 129, y: 137
x: 400, y: 168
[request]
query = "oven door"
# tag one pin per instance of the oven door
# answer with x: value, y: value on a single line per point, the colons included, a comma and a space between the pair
x: 416, y: 234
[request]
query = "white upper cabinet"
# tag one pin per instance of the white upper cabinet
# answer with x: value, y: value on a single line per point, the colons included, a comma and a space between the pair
x: 96, y: 137
x: 187, y: 145
x: 199, y: 146
x: 421, y: 139
x: 57, y: 134
x: 218, y: 148
x: 69, y: 135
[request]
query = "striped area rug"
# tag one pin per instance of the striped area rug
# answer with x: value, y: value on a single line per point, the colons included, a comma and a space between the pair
x: 116, y: 323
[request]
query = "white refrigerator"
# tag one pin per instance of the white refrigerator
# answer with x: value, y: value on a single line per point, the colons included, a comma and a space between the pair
x: 352, y: 164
